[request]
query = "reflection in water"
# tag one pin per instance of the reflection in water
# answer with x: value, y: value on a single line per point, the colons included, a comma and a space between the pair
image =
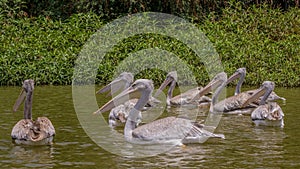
x: 32, y: 156
x: 245, y: 146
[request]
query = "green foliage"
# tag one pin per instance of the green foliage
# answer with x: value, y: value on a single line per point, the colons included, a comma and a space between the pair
x: 12, y: 8
x: 266, y: 41
x: 43, y: 49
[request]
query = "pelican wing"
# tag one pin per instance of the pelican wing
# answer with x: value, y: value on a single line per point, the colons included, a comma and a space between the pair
x: 172, y: 128
x: 164, y: 129
x: 21, y: 130
x: 45, y: 125
x: 233, y: 103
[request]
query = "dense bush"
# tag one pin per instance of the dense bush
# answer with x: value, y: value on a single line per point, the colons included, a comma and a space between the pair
x: 43, y: 49
x: 264, y: 41
x: 110, y: 9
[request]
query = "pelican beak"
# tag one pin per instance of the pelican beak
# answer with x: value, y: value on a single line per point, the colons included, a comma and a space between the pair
x: 126, y: 95
x: 233, y: 77
x: 19, y: 100
x: 209, y: 87
x: 254, y: 96
x: 113, y: 87
x: 163, y: 86
x: 276, y: 97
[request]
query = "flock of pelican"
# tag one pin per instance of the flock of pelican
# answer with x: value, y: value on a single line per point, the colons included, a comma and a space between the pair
x: 259, y: 103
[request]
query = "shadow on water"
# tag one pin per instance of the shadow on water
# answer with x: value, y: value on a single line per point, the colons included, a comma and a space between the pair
x: 245, y: 146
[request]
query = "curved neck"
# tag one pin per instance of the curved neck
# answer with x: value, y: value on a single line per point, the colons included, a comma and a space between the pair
x: 215, y: 97
x: 28, y: 105
x: 239, y: 85
x: 170, y: 91
x: 131, y: 123
x: 265, y: 97
x: 132, y: 119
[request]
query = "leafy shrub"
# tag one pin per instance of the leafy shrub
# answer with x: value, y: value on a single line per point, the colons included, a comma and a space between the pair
x: 264, y: 40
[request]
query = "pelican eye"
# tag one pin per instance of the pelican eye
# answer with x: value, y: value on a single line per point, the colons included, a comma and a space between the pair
x: 133, y: 85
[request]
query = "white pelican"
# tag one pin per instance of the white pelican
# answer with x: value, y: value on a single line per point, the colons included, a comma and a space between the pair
x: 267, y: 113
x: 235, y: 104
x: 119, y: 114
x: 241, y: 74
x: 183, y: 98
x: 27, y: 131
x: 170, y: 129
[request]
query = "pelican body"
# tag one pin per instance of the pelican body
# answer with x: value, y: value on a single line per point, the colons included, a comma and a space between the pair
x: 165, y: 130
x: 267, y: 113
x: 186, y: 98
x: 27, y: 131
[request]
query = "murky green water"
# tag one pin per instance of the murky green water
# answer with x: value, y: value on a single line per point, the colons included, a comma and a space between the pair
x: 245, y: 146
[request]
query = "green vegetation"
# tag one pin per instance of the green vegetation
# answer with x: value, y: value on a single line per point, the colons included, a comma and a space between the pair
x: 37, y: 45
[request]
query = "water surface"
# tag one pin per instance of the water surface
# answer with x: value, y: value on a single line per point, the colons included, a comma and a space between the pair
x: 245, y: 146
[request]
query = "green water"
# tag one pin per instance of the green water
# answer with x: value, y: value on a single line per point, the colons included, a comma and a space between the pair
x: 245, y: 146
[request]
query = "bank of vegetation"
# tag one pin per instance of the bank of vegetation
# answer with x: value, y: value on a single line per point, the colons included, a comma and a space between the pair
x: 43, y: 40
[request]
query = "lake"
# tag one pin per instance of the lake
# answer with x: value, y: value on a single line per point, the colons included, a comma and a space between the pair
x: 245, y: 146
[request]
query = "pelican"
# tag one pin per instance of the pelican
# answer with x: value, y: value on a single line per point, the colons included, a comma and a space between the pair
x: 166, y: 130
x: 183, y: 98
x: 267, y: 113
x: 27, y: 131
x: 119, y: 114
x: 235, y: 104
x: 241, y: 74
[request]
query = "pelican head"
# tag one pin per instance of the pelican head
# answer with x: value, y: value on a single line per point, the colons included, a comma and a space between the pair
x: 171, y: 78
x: 219, y: 79
x: 27, y: 90
x: 265, y: 89
x: 140, y: 88
x: 28, y: 85
x: 218, y: 83
x: 239, y: 73
x: 124, y: 80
